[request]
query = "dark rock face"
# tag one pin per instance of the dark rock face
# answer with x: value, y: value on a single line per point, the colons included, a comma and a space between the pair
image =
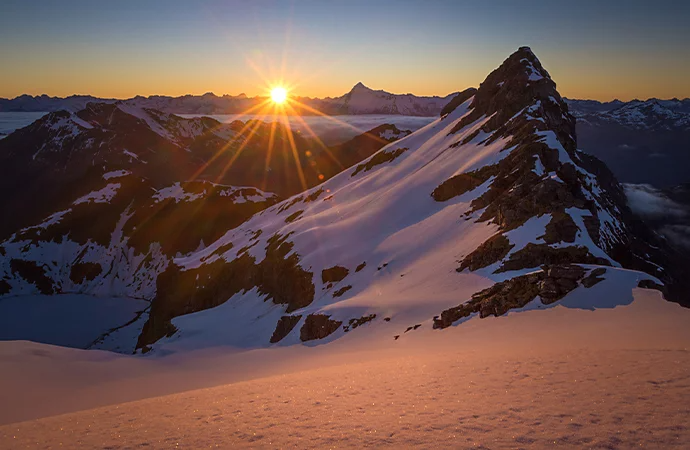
x: 334, y: 274
x: 313, y: 196
x: 341, y: 291
x: 458, y: 100
x: 318, y: 326
x: 5, y: 287
x: 33, y: 273
x: 649, y: 284
x: 85, y: 271
x: 284, y: 326
x: 593, y: 277
x: 559, y: 281
x: 550, y: 284
x: 461, y: 183
x: 534, y: 255
x: 294, y: 216
x: 361, y: 266
x: 354, y: 323
x: 492, y: 250
x: 379, y: 158
x: 561, y: 228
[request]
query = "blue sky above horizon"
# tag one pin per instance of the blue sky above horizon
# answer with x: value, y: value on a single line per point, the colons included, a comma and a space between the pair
x: 593, y: 49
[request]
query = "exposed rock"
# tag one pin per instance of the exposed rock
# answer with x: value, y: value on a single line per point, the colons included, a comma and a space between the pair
x: 334, y: 274
x: 492, y: 250
x: 461, y: 183
x: 593, y: 277
x: 535, y: 255
x: 354, y: 323
x: 458, y: 100
x: 341, y: 291
x: 649, y: 284
x: 33, y: 273
x: 5, y: 287
x: 561, y: 228
x: 84, y: 271
x: 313, y: 196
x: 318, y: 326
x: 360, y: 267
x: 550, y: 284
x: 559, y: 280
x: 379, y: 158
x: 294, y: 216
x: 291, y: 203
x: 284, y: 327
x: 496, y: 300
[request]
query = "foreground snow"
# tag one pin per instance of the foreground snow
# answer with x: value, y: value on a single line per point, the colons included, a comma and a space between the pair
x: 613, y: 378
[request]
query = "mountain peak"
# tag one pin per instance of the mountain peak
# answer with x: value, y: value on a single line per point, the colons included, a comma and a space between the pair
x: 519, y: 83
x: 522, y: 66
x: 359, y: 86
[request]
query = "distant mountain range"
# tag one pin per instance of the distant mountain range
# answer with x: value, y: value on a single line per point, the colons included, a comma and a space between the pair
x: 360, y: 100
x: 641, y: 141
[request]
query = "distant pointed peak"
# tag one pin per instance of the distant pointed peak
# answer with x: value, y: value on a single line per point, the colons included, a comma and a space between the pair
x: 360, y: 86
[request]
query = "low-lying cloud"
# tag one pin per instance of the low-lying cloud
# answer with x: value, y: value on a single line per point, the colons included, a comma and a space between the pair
x: 649, y: 202
x: 666, y: 216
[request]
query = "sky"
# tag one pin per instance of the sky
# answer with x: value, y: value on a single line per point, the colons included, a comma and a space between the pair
x: 593, y: 49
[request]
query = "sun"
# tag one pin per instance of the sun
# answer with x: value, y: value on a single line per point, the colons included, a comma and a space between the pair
x: 278, y: 94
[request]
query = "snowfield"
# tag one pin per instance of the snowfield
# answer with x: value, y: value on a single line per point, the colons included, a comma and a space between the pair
x: 566, y: 377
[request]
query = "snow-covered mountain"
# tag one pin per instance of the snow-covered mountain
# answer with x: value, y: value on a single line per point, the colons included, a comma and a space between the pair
x: 652, y: 114
x: 104, y: 198
x: 582, y: 107
x: 489, y: 208
x: 45, y: 103
x: 360, y: 100
x: 363, y: 100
